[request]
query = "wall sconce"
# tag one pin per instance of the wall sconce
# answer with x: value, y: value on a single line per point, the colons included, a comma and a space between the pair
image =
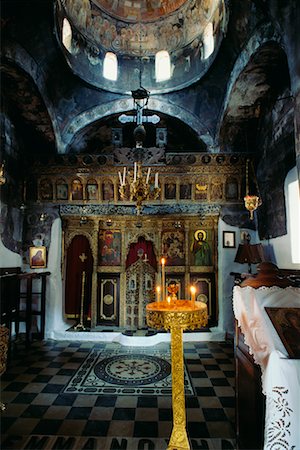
x: 109, y: 222
x: 43, y: 217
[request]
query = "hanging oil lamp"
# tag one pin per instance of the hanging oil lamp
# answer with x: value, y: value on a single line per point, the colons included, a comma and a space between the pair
x: 252, y: 201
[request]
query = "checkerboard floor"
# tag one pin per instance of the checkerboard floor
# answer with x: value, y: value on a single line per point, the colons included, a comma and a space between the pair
x: 38, y: 415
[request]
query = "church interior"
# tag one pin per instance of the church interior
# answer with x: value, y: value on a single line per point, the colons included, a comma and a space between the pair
x: 150, y: 158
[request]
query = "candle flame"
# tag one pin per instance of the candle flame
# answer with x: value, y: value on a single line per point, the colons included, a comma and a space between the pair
x: 193, y: 290
x: 163, y: 261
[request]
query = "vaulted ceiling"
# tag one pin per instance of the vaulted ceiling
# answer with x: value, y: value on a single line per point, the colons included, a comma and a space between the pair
x: 58, y: 101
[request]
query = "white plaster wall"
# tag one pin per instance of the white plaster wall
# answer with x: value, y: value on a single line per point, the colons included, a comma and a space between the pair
x: 282, y: 246
x: 225, y: 280
x: 9, y: 258
x: 55, y: 322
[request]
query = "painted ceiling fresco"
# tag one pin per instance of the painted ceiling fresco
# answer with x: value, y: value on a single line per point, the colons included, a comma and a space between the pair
x: 144, y: 9
x: 120, y: 30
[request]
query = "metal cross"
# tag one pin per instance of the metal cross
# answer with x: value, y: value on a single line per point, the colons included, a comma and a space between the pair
x: 139, y: 119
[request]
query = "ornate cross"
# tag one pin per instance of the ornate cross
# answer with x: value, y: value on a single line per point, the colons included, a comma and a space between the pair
x: 140, y: 99
x: 82, y: 257
x: 139, y: 119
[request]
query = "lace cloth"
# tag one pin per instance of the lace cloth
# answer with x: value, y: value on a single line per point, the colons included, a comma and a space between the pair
x: 280, y: 375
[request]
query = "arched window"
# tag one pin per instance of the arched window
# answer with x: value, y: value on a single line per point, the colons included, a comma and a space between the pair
x: 208, y: 41
x: 294, y: 219
x: 110, y: 66
x: 67, y: 35
x: 162, y: 66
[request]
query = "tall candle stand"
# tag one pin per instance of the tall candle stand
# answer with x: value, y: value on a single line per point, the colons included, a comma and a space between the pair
x: 176, y: 316
x: 80, y: 326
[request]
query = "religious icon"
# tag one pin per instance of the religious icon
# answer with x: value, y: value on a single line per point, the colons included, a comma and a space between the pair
x: 231, y: 189
x: 107, y: 191
x: 185, y: 191
x: 46, y: 189
x: 77, y: 190
x: 37, y: 257
x: 201, y: 250
x: 201, y: 190
x: 62, y: 191
x: 109, y: 248
x: 92, y: 191
x: 170, y: 191
x: 216, y: 190
x: 173, y: 247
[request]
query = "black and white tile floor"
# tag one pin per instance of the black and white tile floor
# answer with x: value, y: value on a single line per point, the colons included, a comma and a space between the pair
x: 39, y: 415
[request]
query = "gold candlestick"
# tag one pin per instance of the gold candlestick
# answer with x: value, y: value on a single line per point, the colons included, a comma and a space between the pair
x: 176, y: 317
x: 80, y: 325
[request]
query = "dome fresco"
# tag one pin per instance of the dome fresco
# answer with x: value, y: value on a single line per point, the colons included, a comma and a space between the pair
x: 134, y: 30
x: 146, y: 10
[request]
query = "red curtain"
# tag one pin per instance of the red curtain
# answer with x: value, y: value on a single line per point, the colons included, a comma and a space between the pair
x: 79, y: 260
x: 141, y: 247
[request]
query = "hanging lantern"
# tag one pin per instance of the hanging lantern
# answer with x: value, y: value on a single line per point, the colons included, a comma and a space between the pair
x: 252, y: 201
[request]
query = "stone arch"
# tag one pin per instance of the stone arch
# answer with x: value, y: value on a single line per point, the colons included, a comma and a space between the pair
x: 16, y: 54
x: 123, y: 105
x: 263, y: 35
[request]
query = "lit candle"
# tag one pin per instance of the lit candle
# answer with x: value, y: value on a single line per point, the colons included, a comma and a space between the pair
x: 169, y: 299
x: 158, y: 293
x: 156, y: 180
x: 163, y: 282
x: 148, y: 175
x: 124, y: 174
x: 193, y: 294
x: 134, y: 175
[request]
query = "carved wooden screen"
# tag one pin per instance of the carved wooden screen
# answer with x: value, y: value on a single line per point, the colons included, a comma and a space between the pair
x: 140, y: 286
x: 108, y: 299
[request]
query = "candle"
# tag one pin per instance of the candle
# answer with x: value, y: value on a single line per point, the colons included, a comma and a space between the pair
x: 158, y: 293
x: 163, y: 262
x: 156, y: 180
x: 134, y: 175
x: 193, y: 294
x: 120, y: 178
x: 124, y: 174
x: 148, y: 175
x: 169, y: 299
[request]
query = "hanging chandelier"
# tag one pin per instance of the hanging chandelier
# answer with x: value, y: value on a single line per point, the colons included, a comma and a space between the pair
x: 141, y: 185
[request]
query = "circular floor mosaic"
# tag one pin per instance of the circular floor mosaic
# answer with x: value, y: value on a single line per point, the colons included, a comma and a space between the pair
x: 132, y: 369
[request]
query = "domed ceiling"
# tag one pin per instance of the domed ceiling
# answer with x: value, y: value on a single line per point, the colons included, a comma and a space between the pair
x: 135, y: 32
x: 144, y: 9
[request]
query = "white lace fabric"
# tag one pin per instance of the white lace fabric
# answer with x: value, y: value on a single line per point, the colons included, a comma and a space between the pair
x: 280, y: 375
